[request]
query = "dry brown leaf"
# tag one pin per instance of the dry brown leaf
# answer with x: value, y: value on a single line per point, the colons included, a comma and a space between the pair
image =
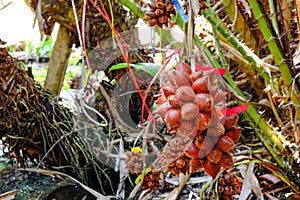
x: 122, y: 170
x: 250, y: 182
x: 135, y: 190
x: 183, y: 179
x: 8, y: 195
x: 295, y: 196
x: 271, y: 178
x: 144, y: 195
x: 286, y: 14
x: 197, y: 180
x: 5, y: 5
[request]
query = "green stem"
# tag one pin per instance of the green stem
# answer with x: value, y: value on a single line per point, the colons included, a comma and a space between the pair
x: 219, y: 47
x: 252, y: 58
x: 273, y: 16
x: 133, y: 8
x: 252, y: 110
x: 207, y: 184
x: 276, y: 50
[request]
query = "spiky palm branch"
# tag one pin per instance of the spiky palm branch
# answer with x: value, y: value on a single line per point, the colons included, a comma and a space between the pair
x: 282, y: 82
x: 279, y: 81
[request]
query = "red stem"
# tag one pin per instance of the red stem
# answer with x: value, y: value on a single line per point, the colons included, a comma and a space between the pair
x: 124, y: 54
x: 167, y: 60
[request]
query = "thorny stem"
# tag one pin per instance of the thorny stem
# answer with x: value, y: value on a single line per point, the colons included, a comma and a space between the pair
x: 276, y: 50
x: 229, y: 79
x: 242, y: 48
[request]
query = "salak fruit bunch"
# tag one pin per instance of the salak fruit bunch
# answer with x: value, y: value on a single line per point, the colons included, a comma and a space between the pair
x: 193, y: 108
x: 160, y: 13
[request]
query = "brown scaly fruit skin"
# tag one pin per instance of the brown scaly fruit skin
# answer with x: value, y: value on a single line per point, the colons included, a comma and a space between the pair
x: 211, y: 168
x: 234, y: 133
x: 226, y: 160
x: 225, y: 143
x: 134, y: 162
x: 178, y: 79
x: 200, y: 85
x: 209, y: 134
x: 203, y: 121
x: 187, y: 127
x: 196, y: 164
x: 193, y: 151
x: 168, y: 90
x: 205, y: 143
x: 219, y: 96
x: 174, y: 101
x: 180, y: 165
x: 185, y: 94
x: 214, y: 155
x: 203, y: 102
x: 189, y: 111
x: 160, y: 13
x: 228, y: 186
x: 230, y: 121
x: 183, y: 67
x: 173, y: 118
x: 176, y: 148
x: 163, y: 109
x: 152, y: 180
x: 216, y: 130
x: 161, y: 100
x: 196, y: 75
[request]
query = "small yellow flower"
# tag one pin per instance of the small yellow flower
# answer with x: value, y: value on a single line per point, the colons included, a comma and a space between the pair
x: 137, y: 149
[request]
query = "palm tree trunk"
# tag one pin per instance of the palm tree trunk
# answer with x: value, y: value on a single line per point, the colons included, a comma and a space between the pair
x: 58, y: 61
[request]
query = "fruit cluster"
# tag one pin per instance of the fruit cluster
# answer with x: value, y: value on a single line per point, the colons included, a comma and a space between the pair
x: 176, y: 162
x: 193, y: 107
x: 152, y: 180
x: 228, y: 186
x: 134, y: 162
x: 160, y: 13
